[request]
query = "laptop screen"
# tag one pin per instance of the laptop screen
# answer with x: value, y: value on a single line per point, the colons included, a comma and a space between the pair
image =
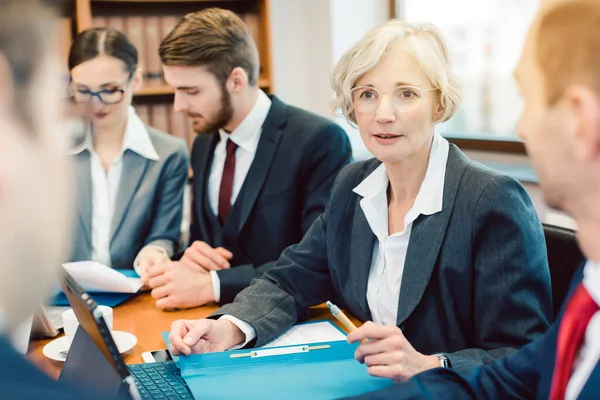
x: 93, y: 357
x: 20, y: 336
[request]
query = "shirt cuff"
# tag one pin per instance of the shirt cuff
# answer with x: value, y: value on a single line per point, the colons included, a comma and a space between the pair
x: 216, y: 282
x: 245, y: 327
x: 136, y: 262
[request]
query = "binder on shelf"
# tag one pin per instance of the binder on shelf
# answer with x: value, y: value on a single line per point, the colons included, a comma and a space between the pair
x: 143, y: 111
x: 253, y: 25
x: 252, y: 22
x: 98, y: 22
x: 116, y: 22
x: 65, y: 37
x: 153, y: 39
x: 161, y: 114
x: 135, y: 30
x: 179, y: 125
x: 167, y: 23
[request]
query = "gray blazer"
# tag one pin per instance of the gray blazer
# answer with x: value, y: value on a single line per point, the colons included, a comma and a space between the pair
x: 149, y: 205
x: 476, y: 283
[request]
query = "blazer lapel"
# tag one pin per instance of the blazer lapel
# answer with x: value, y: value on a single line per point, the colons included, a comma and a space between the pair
x: 361, y: 255
x: 362, y: 242
x: 265, y: 152
x: 84, y: 194
x: 426, y: 240
x: 202, y: 159
x: 134, y: 168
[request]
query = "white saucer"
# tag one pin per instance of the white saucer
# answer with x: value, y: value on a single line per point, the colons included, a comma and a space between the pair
x: 124, y: 340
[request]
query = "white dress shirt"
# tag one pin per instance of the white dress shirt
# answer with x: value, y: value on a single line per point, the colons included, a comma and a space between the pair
x: 246, y: 137
x: 389, y: 252
x: 105, y: 184
x: 589, y: 353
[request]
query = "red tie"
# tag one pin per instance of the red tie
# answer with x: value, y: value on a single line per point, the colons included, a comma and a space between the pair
x: 226, y: 189
x: 577, y: 315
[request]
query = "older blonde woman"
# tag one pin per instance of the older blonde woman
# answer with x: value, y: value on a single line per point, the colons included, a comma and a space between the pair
x: 444, y: 256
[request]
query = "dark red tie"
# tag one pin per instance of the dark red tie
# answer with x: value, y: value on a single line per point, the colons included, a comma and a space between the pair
x: 226, y: 189
x: 577, y: 315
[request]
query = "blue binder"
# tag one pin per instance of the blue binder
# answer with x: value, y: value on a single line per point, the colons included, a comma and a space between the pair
x: 102, y: 298
x: 289, y: 372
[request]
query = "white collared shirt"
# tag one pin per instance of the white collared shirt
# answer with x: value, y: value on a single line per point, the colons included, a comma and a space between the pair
x: 383, y: 288
x: 246, y: 137
x: 389, y: 252
x: 589, y: 353
x: 105, y: 185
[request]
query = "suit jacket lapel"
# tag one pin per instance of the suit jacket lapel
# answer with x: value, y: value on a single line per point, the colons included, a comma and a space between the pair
x: 361, y: 254
x: 265, y: 152
x: 202, y: 159
x: 84, y: 194
x: 426, y: 240
x: 362, y: 242
x: 134, y: 168
x: 547, y: 361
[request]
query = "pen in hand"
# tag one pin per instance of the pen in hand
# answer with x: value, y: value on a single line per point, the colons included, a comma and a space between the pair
x: 344, y: 320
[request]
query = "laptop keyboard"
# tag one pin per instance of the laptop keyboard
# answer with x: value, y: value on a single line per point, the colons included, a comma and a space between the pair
x: 54, y: 315
x: 160, y: 380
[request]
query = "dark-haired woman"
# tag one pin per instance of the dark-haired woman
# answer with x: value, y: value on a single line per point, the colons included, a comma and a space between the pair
x: 130, y: 177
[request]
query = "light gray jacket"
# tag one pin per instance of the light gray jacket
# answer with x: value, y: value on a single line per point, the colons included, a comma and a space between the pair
x: 149, y: 204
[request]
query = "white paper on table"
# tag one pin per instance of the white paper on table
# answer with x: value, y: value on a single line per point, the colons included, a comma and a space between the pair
x: 95, y: 277
x: 308, y: 333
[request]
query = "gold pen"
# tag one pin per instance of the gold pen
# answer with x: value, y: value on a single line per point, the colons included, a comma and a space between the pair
x: 344, y: 320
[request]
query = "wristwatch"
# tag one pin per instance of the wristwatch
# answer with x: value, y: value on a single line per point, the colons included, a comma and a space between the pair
x: 444, y: 361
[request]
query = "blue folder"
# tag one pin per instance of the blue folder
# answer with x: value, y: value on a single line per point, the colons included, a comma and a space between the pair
x: 316, y: 374
x: 102, y: 298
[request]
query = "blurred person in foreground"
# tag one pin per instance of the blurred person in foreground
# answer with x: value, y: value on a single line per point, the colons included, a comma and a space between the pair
x: 35, y: 186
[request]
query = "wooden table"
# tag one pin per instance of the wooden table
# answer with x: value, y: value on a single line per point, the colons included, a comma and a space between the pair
x: 141, y: 317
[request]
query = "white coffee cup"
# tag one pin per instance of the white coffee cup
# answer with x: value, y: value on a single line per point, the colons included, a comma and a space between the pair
x: 70, y: 322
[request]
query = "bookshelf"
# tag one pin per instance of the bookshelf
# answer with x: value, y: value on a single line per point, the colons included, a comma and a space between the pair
x: 157, y: 87
x: 146, y: 23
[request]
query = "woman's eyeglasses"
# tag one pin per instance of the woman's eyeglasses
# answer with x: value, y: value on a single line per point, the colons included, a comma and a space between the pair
x: 366, y: 99
x: 106, y: 96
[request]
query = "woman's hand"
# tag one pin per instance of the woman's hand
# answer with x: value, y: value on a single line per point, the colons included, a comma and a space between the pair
x: 388, y: 354
x: 149, y: 257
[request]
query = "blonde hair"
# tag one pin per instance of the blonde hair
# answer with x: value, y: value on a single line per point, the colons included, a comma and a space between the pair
x: 423, y: 41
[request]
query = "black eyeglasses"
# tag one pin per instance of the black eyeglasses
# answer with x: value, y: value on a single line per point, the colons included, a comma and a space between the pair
x: 106, y: 96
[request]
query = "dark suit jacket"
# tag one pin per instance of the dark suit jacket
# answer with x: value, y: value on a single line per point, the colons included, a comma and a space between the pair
x: 476, y: 282
x: 21, y: 380
x: 524, y: 375
x: 299, y: 155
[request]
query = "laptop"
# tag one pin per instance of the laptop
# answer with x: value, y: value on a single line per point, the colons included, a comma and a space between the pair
x: 20, y: 336
x: 94, y: 359
x: 43, y: 323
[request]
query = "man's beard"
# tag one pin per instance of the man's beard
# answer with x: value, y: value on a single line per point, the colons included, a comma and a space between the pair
x: 221, y: 119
